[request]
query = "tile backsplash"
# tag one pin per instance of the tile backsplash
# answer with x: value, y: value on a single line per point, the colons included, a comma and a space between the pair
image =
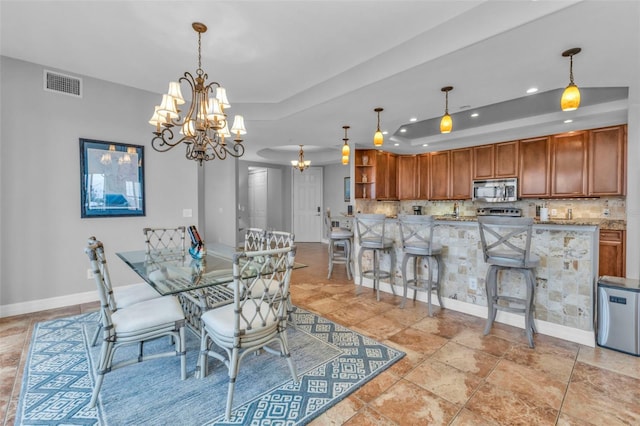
x: 613, y: 208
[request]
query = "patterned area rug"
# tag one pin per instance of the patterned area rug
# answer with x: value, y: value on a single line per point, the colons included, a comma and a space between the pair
x: 332, y: 362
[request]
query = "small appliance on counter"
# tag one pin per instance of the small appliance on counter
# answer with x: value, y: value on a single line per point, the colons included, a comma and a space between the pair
x: 619, y: 314
x: 417, y: 210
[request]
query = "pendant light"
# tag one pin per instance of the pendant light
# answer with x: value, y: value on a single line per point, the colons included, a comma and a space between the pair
x: 378, y: 139
x: 571, y: 96
x: 345, y: 148
x: 446, y: 124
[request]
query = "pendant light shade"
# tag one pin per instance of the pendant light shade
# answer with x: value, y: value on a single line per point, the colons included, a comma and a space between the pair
x: 346, y: 151
x: 378, y: 139
x: 571, y: 96
x: 446, y: 124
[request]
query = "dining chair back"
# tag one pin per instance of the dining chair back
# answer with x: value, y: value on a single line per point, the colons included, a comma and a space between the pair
x: 278, y: 239
x: 257, y: 316
x: 135, y: 324
x: 165, y: 243
x: 254, y: 239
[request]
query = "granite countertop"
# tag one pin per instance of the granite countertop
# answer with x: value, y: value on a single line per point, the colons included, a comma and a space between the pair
x: 609, y: 224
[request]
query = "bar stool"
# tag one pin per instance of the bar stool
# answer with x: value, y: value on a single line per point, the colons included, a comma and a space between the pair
x: 417, y: 243
x: 340, y: 241
x: 506, y: 245
x: 371, y: 235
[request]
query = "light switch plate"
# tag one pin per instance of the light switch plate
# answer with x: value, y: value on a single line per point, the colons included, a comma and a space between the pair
x: 187, y: 213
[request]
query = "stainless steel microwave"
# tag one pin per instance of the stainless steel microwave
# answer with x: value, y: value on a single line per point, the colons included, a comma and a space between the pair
x: 495, y: 190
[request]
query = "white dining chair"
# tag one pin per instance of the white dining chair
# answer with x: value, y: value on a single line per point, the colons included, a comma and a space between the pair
x: 133, y: 325
x: 256, y: 318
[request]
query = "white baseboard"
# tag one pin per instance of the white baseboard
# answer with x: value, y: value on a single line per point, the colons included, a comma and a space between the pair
x: 45, y: 304
x: 583, y: 337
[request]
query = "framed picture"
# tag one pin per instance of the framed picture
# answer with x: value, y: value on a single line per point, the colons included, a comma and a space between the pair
x: 347, y: 189
x: 111, y: 179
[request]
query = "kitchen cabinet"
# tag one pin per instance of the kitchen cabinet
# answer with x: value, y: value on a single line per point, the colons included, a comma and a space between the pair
x: 612, y: 253
x: 365, y: 174
x: 569, y: 165
x: 483, y: 162
x: 439, y: 175
x: 408, y: 177
x: 460, y: 171
x: 607, y: 161
x: 533, y: 163
x: 499, y: 160
x: 386, y: 176
x: 506, y: 159
x: 424, y: 167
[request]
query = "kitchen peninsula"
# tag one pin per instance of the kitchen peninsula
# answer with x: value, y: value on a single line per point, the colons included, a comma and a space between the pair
x: 579, y: 176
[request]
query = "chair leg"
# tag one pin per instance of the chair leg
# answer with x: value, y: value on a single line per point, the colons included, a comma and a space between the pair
x: 440, y: 265
x: 233, y: 373
x: 416, y: 280
x: 528, y: 315
x: 405, y: 282
x: 360, y: 253
x: 491, y: 288
x: 347, y: 255
x: 392, y: 270
x: 429, y: 284
x: 331, y: 248
x: 103, y: 366
x: 183, y: 353
x: 203, y: 354
x: 376, y: 273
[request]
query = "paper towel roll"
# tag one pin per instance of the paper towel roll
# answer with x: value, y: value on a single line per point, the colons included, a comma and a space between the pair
x: 544, y: 214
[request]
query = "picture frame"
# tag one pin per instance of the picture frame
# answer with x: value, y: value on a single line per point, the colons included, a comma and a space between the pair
x: 347, y: 189
x: 111, y: 179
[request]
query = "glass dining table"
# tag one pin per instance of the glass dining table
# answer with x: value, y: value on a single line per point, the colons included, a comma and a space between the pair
x: 199, y: 284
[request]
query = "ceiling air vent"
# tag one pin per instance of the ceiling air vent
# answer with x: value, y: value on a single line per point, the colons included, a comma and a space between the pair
x: 61, y: 83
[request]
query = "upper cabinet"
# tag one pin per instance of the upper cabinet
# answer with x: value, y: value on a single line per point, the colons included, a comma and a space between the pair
x: 386, y: 176
x: 460, y: 174
x: 607, y: 161
x: 439, y: 175
x: 365, y: 174
x: 569, y: 165
x: 424, y: 170
x: 499, y: 160
x: 533, y: 177
x: 408, y: 177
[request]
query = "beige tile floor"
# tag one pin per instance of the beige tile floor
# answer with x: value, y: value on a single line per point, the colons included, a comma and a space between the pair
x: 451, y: 375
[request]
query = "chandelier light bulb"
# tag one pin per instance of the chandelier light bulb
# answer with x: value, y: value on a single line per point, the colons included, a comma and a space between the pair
x: 346, y: 151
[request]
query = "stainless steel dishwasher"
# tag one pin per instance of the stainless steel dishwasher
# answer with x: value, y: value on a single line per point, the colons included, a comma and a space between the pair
x: 619, y: 314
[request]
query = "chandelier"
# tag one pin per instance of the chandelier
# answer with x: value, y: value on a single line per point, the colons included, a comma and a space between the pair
x: 301, y: 164
x: 378, y: 139
x: 203, y: 128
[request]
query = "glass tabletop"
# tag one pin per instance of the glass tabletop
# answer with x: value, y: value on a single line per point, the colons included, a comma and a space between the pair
x: 169, y: 273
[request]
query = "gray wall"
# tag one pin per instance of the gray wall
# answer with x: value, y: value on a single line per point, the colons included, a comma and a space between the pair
x: 41, y: 233
x: 333, y: 188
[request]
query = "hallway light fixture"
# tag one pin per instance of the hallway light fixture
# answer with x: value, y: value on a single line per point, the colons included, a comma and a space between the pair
x: 345, y: 148
x: 301, y: 164
x: 446, y: 124
x: 571, y: 96
x: 378, y: 139
x: 204, y: 127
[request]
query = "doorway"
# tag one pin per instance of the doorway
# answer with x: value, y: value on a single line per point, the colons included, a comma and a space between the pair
x: 307, y: 194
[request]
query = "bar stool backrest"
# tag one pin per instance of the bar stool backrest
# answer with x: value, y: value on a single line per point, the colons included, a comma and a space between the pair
x: 370, y: 228
x: 254, y: 239
x: 506, y: 240
x: 417, y: 231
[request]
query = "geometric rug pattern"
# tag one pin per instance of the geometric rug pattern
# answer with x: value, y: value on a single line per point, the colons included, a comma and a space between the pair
x: 332, y: 361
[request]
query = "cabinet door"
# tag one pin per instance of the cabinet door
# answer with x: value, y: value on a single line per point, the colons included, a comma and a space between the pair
x: 534, y: 167
x: 392, y: 176
x: 408, y: 177
x: 439, y: 175
x: 607, y: 161
x: 460, y: 171
x: 386, y: 176
x: 569, y: 165
x: 612, y: 255
x: 506, y: 159
x: 424, y: 162
x: 483, y: 167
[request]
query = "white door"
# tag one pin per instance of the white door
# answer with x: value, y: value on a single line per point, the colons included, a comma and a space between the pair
x: 307, y: 204
x: 257, y: 185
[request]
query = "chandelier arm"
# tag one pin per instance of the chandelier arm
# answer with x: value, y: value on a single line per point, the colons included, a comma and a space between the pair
x: 163, y: 141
